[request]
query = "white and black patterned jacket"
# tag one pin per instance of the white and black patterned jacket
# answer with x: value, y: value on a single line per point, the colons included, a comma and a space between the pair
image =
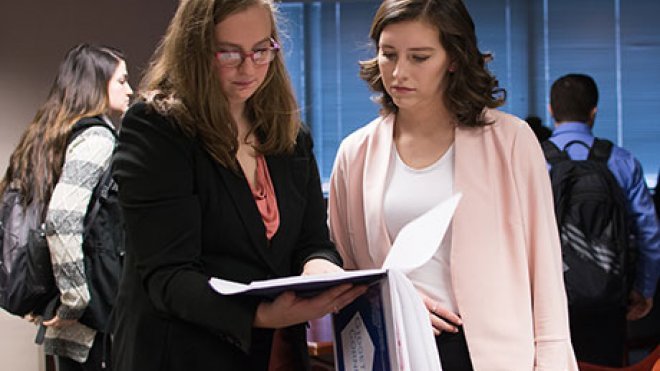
x: 87, y: 157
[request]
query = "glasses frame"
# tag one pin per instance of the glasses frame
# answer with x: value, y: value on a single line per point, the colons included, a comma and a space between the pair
x: 274, y: 48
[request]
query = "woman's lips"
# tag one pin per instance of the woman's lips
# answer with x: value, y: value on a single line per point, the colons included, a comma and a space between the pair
x: 402, y: 89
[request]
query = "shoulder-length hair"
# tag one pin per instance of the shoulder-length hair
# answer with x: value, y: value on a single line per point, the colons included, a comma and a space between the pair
x: 182, y: 82
x: 80, y: 90
x: 470, y: 87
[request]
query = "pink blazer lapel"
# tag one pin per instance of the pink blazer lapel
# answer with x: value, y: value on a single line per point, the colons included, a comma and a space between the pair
x: 375, y: 174
x: 472, y: 219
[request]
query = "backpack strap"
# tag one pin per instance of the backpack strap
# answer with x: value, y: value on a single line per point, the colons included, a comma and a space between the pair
x: 87, y: 122
x: 552, y: 153
x: 105, y: 183
x: 575, y: 141
x: 601, y: 150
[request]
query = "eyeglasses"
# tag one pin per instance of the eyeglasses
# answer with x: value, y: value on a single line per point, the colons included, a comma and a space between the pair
x: 260, y: 56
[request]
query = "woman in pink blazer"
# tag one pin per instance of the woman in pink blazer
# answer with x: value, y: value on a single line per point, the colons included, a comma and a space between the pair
x: 494, y: 288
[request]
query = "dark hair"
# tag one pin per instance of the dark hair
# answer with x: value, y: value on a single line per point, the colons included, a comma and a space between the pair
x: 536, y: 124
x: 470, y: 88
x: 573, y: 97
x: 181, y: 82
x: 534, y: 120
x: 80, y: 90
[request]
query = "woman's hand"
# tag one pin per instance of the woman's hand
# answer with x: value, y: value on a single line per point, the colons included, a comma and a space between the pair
x: 58, y: 322
x: 288, y: 309
x: 442, y: 319
x: 32, y: 318
x: 638, y: 306
x: 319, y: 266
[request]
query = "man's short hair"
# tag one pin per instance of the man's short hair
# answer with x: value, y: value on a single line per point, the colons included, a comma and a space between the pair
x: 573, y: 97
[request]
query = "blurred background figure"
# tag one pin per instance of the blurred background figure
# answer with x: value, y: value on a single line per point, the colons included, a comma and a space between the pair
x: 541, y: 131
x: 598, y: 333
x: 58, y: 168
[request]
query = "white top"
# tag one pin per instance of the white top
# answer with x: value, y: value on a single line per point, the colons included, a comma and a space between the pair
x: 408, y: 194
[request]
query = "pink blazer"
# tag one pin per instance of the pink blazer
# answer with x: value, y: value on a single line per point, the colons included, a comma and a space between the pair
x: 506, y: 266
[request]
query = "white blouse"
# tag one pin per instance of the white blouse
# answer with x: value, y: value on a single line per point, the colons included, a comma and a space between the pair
x: 408, y: 194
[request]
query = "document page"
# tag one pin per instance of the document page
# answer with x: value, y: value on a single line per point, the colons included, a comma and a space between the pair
x: 302, y: 285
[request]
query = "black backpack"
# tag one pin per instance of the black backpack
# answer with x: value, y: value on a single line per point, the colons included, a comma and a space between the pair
x: 26, y: 275
x: 103, y: 243
x: 26, y: 279
x: 591, y: 215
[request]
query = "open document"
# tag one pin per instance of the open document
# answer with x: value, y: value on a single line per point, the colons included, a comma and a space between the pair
x: 387, y: 328
x: 304, y: 286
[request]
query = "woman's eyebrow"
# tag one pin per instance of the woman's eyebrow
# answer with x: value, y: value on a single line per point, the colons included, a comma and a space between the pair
x: 414, y: 49
x: 236, y: 46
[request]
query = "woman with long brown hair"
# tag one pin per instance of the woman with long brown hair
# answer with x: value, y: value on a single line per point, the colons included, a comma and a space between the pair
x: 53, y: 167
x: 217, y: 179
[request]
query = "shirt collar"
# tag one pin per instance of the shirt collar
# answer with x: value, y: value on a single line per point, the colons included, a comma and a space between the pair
x: 571, y: 127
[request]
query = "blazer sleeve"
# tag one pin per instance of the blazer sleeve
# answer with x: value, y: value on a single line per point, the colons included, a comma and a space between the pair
x: 551, y: 332
x: 314, y: 241
x: 154, y: 167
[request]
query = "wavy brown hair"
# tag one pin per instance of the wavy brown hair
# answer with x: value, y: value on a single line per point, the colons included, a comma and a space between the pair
x: 182, y: 82
x: 80, y: 90
x: 470, y: 88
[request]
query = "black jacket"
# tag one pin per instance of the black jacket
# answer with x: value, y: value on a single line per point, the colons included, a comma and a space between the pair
x: 188, y: 219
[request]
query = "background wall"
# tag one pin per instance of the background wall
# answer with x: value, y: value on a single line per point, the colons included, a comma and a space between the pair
x: 533, y: 43
x: 34, y: 36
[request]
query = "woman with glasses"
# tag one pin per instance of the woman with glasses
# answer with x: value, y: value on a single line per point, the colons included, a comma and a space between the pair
x: 217, y: 179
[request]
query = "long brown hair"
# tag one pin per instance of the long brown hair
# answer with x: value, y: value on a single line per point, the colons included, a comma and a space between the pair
x: 470, y: 88
x: 80, y: 90
x: 182, y: 82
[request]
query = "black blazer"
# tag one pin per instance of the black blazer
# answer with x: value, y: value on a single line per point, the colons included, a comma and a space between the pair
x: 188, y: 219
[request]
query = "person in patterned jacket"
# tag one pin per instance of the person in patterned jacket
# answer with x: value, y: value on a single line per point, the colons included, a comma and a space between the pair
x: 92, y: 81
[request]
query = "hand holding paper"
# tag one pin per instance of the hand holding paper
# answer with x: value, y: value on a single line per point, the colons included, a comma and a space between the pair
x: 400, y: 317
x: 289, y: 309
x: 414, y: 246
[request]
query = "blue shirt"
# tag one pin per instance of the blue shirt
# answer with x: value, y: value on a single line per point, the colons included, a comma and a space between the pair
x: 628, y: 172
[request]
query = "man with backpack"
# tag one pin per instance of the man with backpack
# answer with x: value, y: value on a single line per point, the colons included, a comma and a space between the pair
x: 601, y: 202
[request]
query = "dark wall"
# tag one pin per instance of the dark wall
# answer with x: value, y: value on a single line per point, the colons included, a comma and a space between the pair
x: 35, y: 35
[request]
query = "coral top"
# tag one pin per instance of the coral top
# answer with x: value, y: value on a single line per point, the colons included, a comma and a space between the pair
x: 264, y: 195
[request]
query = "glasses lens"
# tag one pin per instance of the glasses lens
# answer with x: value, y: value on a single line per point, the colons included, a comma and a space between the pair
x: 229, y: 59
x: 263, y: 56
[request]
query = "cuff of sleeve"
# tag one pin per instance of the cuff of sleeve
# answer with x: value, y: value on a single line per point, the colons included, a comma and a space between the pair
x: 331, y: 257
x: 66, y: 312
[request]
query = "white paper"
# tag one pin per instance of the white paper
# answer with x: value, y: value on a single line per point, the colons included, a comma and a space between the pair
x: 300, y: 283
x: 415, y: 245
x: 418, y: 240
x: 415, y: 340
